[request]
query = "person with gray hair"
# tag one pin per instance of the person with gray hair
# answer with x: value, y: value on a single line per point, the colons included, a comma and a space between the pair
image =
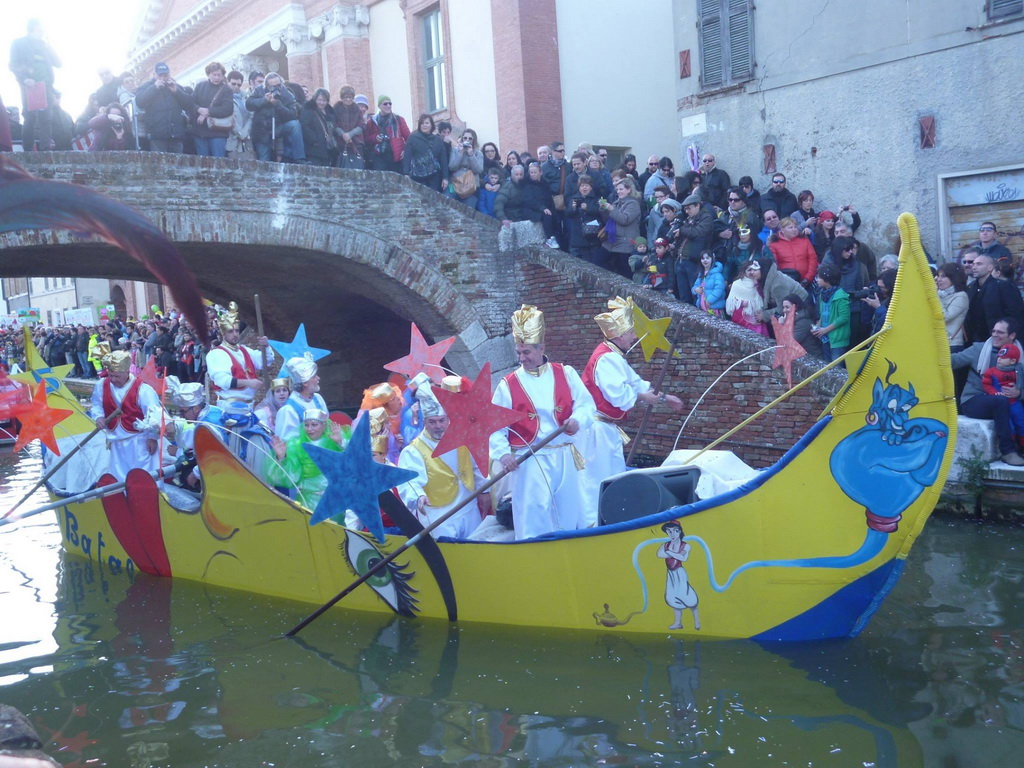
x: 889, y: 262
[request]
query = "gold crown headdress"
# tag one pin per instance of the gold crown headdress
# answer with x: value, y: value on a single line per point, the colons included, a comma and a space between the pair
x: 528, y: 325
x: 378, y: 430
x: 228, y: 319
x: 117, y: 361
x: 282, y: 382
x: 618, y: 319
x: 379, y: 395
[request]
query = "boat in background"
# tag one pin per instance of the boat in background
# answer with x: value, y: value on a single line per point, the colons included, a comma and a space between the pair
x: 806, y: 549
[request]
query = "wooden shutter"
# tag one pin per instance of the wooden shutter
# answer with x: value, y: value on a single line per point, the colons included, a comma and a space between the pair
x: 997, y: 9
x: 741, y: 41
x: 711, y: 43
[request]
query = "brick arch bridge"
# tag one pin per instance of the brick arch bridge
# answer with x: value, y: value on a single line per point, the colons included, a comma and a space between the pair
x: 357, y: 255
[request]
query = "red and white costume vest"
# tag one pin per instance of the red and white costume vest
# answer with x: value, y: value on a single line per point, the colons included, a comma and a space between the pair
x: 605, y: 408
x: 244, y: 369
x: 131, y: 411
x: 525, y: 430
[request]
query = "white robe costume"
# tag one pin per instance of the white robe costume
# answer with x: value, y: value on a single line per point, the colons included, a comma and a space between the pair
x: 128, y: 450
x: 602, y: 444
x: 288, y: 420
x: 546, y: 490
x: 464, y: 522
x: 218, y: 364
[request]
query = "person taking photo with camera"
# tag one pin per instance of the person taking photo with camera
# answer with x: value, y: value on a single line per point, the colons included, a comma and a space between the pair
x: 275, y: 113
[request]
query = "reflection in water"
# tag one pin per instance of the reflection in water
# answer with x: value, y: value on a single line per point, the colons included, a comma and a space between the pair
x: 156, y: 672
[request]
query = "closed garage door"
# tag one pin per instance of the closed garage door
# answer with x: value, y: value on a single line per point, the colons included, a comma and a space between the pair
x: 995, y: 197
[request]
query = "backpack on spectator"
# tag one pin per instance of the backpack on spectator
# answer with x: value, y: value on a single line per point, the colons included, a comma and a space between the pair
x: 464, y: 183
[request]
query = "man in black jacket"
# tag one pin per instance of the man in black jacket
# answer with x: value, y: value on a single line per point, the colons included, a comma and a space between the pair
x: 778, y: 198
x: 695, y: 235
x: 275, y: 113
x: 716, y: 181
x: 166, y: 105
x: 991, y: 299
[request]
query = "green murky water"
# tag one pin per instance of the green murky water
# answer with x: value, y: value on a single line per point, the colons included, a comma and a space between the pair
x: 162, y: 673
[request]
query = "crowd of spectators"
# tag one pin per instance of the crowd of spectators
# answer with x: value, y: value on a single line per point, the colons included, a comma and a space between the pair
x: 168, y: 340
x: 729, y: 249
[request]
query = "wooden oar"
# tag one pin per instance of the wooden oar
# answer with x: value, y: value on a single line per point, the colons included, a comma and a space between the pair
x: 656, y: 388
x: 78, y: 498
x: 264, y: 372
x: 64, y: 460
x: 418, y: 537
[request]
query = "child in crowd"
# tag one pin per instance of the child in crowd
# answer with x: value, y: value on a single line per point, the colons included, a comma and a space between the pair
x: 740, y: 250
x: 709, y: 287
x: 637, y: 259
x: 745, y: 304
x: 489, y: 191
x: 834, y: 313
x: 660, y: 276
x: 583, y: 214
x: 1007, y: 373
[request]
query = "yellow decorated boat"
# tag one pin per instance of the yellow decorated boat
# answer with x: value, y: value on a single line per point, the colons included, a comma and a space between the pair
x: 806, y: 549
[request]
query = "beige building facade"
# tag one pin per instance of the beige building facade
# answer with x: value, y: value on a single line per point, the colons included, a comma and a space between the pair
x: 520, y: 72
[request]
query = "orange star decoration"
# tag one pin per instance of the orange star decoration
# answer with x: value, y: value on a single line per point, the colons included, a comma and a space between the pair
x: 149, y: 376
x: 474, y: 418
x: 422, y: 357
x: 651, y: 332
x: 788, y: 349
x: 38, y: 420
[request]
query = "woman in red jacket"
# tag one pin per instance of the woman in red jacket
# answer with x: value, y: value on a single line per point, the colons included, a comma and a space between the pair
x: 793, y: 252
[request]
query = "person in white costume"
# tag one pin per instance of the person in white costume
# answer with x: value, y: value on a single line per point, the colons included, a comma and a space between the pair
x: 190, y: 400
x: 547, y: 489
x: 445, y: 482
x: 121, y: 405
x: 234, y: 368
x: 302, y: 372
x: 616, y: 388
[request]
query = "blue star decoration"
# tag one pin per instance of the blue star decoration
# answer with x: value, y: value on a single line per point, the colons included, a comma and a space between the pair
x: 355, y: 480
x: 298, y: 346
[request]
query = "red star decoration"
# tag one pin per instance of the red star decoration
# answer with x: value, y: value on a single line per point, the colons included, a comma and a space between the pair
x: 38, y: 420
x: 474, y: 418
x: 789, y: 349
x: 13, y: 395
x: 149, y: 376
x: 422, y: 357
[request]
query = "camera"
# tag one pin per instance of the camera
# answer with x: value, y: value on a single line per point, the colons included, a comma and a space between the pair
x: 871, y: 290
x: 382, y: 137
x: 466, y: 144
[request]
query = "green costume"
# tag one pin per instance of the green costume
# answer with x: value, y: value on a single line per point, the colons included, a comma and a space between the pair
x: 298, y: 470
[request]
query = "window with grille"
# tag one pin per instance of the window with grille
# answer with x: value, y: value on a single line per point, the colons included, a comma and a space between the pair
x: 433, y: 55
x: 726, y: 42
x: 1000, y: 9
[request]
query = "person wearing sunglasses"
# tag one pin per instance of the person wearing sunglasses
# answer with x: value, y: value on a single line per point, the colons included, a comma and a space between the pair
x: 736, y: 216
x: 387, y: 133
x: 778, y: 198
x: 715, y: 181
x: 650, y: 170
x: 987, y: 245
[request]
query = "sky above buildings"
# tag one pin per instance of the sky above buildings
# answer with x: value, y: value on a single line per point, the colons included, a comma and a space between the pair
x: 86, y: 36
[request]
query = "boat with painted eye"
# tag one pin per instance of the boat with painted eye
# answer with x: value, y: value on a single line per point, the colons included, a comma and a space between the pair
x: 807, y: 548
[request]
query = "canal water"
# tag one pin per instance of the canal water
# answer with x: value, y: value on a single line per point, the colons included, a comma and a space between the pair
x: 162, y: 673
